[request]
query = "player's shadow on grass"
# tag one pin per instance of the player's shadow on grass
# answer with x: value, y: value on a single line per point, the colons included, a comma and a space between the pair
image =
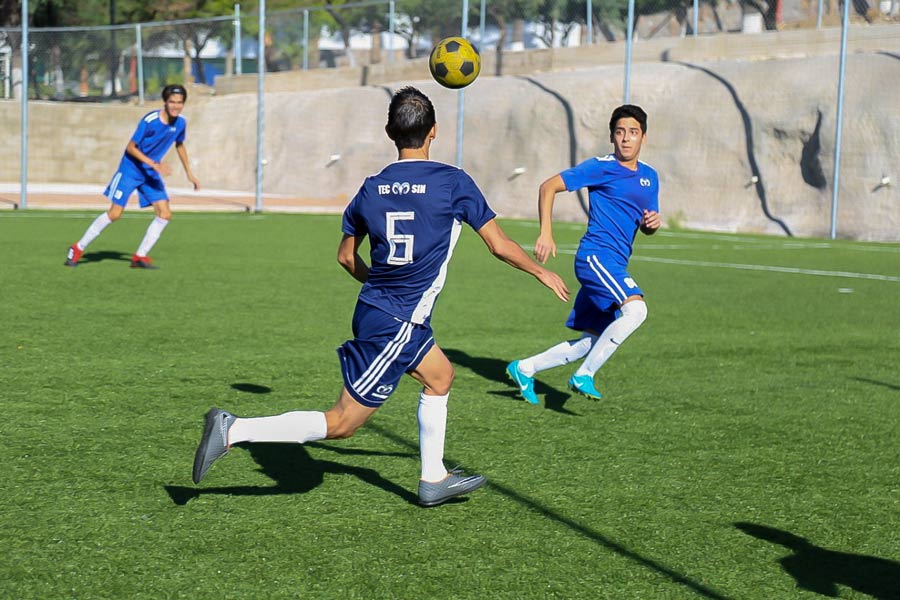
x: 251, y: 388
x: 821, y: 570
x: 294, y: 471
x: 94, y: 257
x: 494, y: 370
x: 890, y: 386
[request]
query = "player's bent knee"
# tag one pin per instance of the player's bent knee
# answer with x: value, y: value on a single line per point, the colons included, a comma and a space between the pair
x: 441, y: 386
x: 636, y: 311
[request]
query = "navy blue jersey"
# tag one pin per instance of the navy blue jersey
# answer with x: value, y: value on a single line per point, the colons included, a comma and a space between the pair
x: 154, y: 138
x: 412, y: 211
x: 618, y: 197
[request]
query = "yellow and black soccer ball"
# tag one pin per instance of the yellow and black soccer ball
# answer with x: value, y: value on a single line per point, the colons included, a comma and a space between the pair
x: 454, y: 62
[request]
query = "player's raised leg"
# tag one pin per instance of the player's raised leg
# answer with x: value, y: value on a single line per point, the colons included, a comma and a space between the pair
x: 223, y: 429
x: 523, y: 371
x: 73, y: 255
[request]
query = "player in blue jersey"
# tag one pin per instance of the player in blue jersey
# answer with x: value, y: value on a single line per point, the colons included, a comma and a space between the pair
x: 141, y: 170
x: 412, y: 212
x: 624, y: 197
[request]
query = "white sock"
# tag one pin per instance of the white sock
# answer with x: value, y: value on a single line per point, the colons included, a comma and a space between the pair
x: 154, y: 230
x: 297, y: 426
x: 432, y: 431
x: 557, y: 356
x: 93, y: 231
x: 633, y: 314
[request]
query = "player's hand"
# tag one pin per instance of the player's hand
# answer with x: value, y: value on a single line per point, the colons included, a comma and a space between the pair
x: 196, y: 183
x: 651, y: 220
x: 555, y: 283
x: 544, y: 247
x: 163, y: 169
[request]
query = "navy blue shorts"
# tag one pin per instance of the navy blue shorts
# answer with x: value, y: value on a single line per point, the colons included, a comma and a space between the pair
x: 604, y: 287
x: 382, y: 350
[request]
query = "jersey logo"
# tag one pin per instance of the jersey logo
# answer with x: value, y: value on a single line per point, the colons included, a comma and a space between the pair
x: 383, y: 391
x: 400, y: 188
x: 645, y: 182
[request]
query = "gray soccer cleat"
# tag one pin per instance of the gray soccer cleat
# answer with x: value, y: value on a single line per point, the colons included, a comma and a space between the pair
x: 214, y: 443
x: 455, y: 484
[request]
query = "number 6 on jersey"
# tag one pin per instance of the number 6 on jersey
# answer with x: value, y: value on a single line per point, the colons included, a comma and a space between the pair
x: 395, y: 239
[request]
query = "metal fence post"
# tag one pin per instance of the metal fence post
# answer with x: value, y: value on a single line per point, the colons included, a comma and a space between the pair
x: 238, y: 52
x: 628, y: 43
x: 589, y: 21
x: 481, y: 18
x: 819, y: 14
x: 23, y: 190
x: 305, y: 39
x: 696, y: 22
x: 391, y: 31
x: 260, y: 76
x: 140, y: 62
x: 461, y: 97
x: 840, y: 116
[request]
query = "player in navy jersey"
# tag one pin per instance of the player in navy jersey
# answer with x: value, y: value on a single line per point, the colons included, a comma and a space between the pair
x: 412, y: 212
x: 141, y: 170
x: 624, y: 197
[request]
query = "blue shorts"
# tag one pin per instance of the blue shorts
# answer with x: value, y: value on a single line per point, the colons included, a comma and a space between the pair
x: 382, y: 350
x: 604, y: 287
x: 125, y: 181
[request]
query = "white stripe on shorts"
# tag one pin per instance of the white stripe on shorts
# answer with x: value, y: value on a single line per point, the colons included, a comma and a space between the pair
x: 371, y: 376
x: 618, y: 293
x: 114, y: 185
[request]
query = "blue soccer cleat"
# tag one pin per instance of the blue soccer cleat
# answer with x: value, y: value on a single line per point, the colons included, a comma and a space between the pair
x: 584, y: 385
x: 525, y: 383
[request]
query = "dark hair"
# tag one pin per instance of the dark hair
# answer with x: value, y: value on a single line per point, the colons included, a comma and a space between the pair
x: 174, y: 88
x: 625, y: 111
x: 410, y: 118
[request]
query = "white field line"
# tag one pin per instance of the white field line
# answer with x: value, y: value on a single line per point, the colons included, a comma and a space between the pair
x: 748, y: 267
x: 743, y: 243
x: 793, y: 270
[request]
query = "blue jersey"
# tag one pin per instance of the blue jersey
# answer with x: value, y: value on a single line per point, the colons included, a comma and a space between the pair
x: 154, y: 138
x: 618, y: 197
x: 412, y: 211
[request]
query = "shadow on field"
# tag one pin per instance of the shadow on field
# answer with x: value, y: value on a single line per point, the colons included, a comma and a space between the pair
x: 821, y: 570
x: 251, y: 388
x: 548, y: 512
x: 494, y: 369
x: 890, y: 386
x: 93, y: 257
x: 294, y: 471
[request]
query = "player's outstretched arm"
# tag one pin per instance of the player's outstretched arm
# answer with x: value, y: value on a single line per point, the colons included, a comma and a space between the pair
x: 511, y: 253
x: 349, y: 258
x: 650, y: 222
x: 545, y: 247
x: 183, y: 156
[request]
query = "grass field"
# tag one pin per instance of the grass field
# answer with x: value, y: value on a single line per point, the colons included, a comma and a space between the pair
x: 748, y: 444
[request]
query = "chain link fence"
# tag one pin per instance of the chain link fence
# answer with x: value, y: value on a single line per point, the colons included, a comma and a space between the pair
x: 122, y: 61
x: 112, y: 75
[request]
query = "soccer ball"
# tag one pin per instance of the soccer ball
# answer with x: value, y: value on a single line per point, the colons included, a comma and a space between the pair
x: 454, y: 62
